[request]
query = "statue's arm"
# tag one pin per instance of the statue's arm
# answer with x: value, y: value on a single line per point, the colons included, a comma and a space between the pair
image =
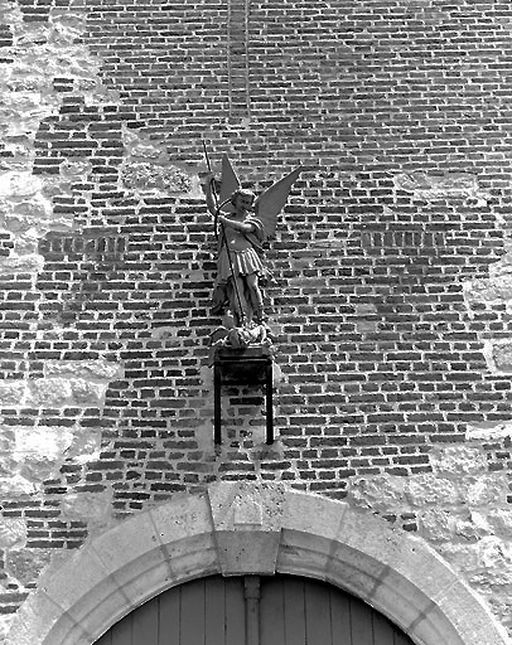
x: 243, y: 227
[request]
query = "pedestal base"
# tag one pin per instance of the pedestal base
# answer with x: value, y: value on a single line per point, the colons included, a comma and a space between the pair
x: 248, y: 366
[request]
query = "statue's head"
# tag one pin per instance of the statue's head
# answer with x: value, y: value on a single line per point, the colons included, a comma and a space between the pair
x: 243, y: 199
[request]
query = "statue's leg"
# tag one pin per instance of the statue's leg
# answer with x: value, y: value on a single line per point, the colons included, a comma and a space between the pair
x: 256, y: 296
x: 238, y: 301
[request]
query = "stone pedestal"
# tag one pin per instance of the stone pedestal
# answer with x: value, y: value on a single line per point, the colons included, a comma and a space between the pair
x: 243, y: 366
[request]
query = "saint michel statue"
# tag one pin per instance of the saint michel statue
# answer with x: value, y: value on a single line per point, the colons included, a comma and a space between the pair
x: 243, y: 223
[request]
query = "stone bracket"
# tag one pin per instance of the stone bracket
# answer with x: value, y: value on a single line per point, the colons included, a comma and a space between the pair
x: 251, y: 366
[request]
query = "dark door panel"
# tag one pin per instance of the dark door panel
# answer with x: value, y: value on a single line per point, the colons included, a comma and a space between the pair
x: 292, y: 611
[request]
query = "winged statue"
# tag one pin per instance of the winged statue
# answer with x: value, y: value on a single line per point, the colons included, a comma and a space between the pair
x: 243, y: 222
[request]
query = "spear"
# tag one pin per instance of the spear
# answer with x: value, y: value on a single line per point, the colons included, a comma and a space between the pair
x: 212, y: 186
x: 223, y: 240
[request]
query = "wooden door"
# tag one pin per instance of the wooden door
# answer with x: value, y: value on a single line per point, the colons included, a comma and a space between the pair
x: 277, y: 610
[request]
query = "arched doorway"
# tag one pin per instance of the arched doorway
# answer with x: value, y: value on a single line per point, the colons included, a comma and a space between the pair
x: 244, y: 529
x: 254, y: 610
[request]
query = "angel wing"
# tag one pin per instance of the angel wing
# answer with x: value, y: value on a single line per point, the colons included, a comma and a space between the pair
x: 229, y: 181
x: 272, y: 200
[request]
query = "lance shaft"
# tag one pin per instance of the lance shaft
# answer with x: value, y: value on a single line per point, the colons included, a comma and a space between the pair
x: 223, y: 238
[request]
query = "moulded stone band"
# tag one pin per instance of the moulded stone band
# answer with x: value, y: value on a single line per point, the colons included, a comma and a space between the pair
x: 238, y: 528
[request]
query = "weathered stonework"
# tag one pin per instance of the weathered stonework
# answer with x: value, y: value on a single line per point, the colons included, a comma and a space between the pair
x: 93, y: 508
x: 499, y: 355
x: 148, y: 170
x: 65, y: 384
x: 26, y: 566
x: 32, y: 455
x: 496, y: 288
x: 13, y: 533
x: 489, y: 432
x: 145, y: 177
x: 426, y: 186
x: 41, y: 52
x: 461, y: 509
x: 392, y: 268
x: 220, y: 530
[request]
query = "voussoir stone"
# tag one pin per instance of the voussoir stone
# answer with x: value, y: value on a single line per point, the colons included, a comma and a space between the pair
x: 247, y: 519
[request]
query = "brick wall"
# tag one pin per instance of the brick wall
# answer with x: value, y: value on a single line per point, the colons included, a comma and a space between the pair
x: 391, y: 303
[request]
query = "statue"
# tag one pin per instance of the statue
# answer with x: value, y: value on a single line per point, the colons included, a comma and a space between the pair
x: 243, y: 222
x: 230, y: 336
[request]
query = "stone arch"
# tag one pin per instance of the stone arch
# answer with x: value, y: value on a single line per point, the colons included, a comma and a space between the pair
x: 242, y: 528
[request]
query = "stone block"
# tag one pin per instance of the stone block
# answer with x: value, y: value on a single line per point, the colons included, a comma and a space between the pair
x: 500, y: 602
x: 500, y: 520
x: 493, y: 565
x: 58, y: 582
x: 42, y: 442
x: 26, y: 243
x: 16, y: 184
x: 40, y: 450
x: 490, y: 431
x: 13, y: 533
x: 88, y: 394
x: 50, y: 392
x: 5, y: 625
x: 301, y: 515
x: 74, y: 168
x: 408, y: 557
x: 431, y: 186
x: 31, y: 263
x: 425, y: 489
x: 97, y: 592
x: 40, y: 614
x: 94, y: 370
x: 86, y: 445
x: 458, y: 461
x: 370, y: 535
x: 247, y: 519
x: 432, y: 627
x: 26, y: 565
x: 17, y: 486
x: 469, y: 616
x: 353, y: 571
x: 30, y: 455
x: 494, y: 289
x: 93, y: 508
x: 153, y: 565
x: 486, y: 490
x: 185, y: 533
x: 192, y: 557
x: 13, y: 393
x: 247, y: 551
x: 406, y: 606
x: 188, y: 516
x: 463, y: 557
x: 247, y: 505
x: 110, y: 548
x: 502, y: 354
x: 437, y: 524
x: 379, y: 492
x: 303, y: 554
x: 31, y: 212
x: 148, y: 177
